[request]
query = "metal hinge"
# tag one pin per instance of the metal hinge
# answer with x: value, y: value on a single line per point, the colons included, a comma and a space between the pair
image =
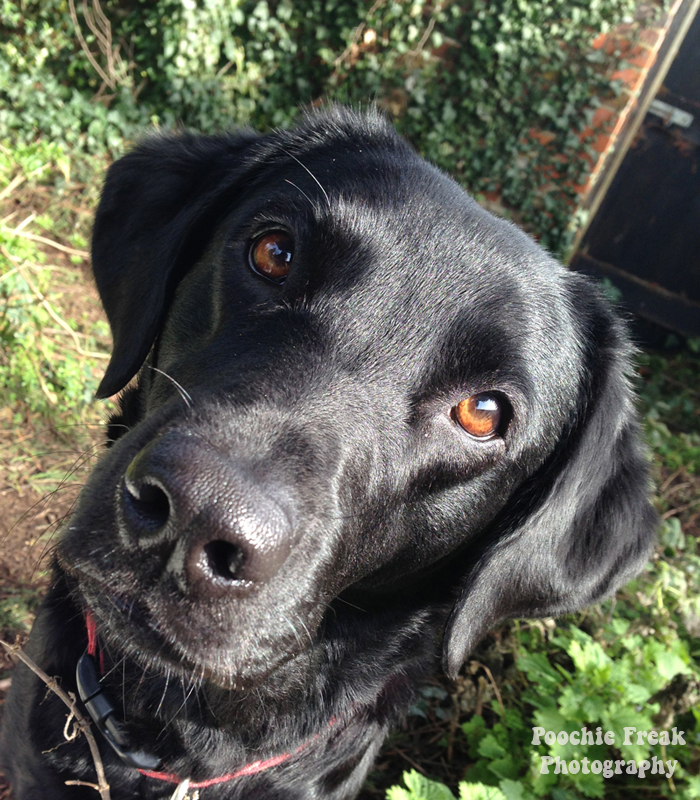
x: 670, y: 114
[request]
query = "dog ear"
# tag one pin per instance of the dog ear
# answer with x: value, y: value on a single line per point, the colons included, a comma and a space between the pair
x: 583, y: 524
x: 156, y: 209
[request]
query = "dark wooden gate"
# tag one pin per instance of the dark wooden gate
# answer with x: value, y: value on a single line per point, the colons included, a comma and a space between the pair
x: 645, y: 236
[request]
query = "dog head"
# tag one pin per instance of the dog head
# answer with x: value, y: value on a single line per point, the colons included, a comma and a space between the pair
x: 354, y: 382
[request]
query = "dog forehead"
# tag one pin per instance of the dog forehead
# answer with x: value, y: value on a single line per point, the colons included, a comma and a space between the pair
x: 371, y: 191
x: 410, y: 251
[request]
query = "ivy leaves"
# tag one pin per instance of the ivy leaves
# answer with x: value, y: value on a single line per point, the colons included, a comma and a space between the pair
x: 467, y: 85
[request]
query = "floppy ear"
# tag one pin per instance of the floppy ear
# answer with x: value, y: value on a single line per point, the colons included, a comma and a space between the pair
x: 583, y: 524
x: 156, y: 209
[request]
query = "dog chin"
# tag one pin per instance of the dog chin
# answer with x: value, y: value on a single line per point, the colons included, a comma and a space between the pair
x: 126, y: 629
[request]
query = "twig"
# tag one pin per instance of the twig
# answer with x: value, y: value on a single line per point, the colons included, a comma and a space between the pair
x: 454, y: 724
x: 52, y: 397
x: 224, y: 69
x: 676, y: 382
x: 672, y: 477
x: 355, y: 37
x: 108, y: 79
x: 99, y: 25
x: 50, y: 242
x: 49, y: 308
x: 69, y: 699
x: 672, y: 512
x: 671, y: 784
x: 424, y: 38
x: 70, y: 332
x: 83, y: 783
x: 426, y: 34
x: 493, y: 684
x: 410, y: 761
x: 18, y: 180
x: 23, y: 224
x: 9, y: 272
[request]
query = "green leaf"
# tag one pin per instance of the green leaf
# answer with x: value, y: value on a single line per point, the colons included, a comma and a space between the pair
x: 490, y: 748
x: 512, y: 790
x: 479, y: 791
x: 419, y: 788
x: 538, y: 669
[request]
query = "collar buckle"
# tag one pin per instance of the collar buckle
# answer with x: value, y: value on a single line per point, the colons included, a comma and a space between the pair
x: 103, y: 713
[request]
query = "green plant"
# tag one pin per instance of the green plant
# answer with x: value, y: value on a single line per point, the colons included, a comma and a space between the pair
x: 17, y: 609
x: 46, y: 364
x: 499, y: 94
x: 420, y: 788
x: 468, y: 85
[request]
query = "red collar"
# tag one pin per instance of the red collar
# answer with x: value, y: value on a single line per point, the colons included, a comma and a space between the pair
x: 249, y: 769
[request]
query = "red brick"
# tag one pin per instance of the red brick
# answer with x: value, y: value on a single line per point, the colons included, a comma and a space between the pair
x: 602, y: 115
x: 543, y: 137
x: 650, y: 36
x: 579, y: 188
x: 631, y: 77
x: 643, y: 61
x: 599, y: 41
x: 623, y: 45
x: 601, y: 143
x: 615, y: 43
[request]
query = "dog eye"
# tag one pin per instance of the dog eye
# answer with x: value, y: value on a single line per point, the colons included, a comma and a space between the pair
x: 271, y: 255
x: 481, y: 415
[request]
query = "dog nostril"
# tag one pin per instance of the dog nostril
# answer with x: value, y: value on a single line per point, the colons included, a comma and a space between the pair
x: 223, y: 559
x: 149, y: 502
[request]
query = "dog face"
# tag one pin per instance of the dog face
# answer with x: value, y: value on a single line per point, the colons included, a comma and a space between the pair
x: 357, y: 377
x: 365, y: 406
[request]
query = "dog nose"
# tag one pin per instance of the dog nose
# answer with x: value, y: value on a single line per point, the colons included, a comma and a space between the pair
x: 223, y: 529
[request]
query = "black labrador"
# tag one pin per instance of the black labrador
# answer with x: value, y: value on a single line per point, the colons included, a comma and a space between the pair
x: 370, y: 422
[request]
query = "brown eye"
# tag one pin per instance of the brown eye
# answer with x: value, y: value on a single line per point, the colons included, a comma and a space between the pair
x: 480, y: 415
x: 271, y: 255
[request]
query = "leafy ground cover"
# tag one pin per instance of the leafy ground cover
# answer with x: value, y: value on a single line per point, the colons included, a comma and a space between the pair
x: 53, y: 343
x: 631, y: 662
x: 466, y: 83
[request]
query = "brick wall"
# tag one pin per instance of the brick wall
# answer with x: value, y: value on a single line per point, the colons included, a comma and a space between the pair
x: 632, y: 50
x: 637, y: 45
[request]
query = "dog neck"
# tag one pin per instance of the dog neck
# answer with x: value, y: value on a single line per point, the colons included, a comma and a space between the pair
x: 103, y: 713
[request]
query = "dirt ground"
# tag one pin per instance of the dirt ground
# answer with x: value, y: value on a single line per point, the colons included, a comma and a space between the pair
x: 29, y: 519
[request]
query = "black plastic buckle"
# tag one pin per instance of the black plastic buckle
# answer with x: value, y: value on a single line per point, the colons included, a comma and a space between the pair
x: 102, y: 711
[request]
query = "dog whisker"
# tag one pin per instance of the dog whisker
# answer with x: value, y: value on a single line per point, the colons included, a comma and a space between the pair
x: 292, y: 156
x: 291, y: 183
x: 184, y: 394
x: 310, y: 637
x: 164, y: 692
